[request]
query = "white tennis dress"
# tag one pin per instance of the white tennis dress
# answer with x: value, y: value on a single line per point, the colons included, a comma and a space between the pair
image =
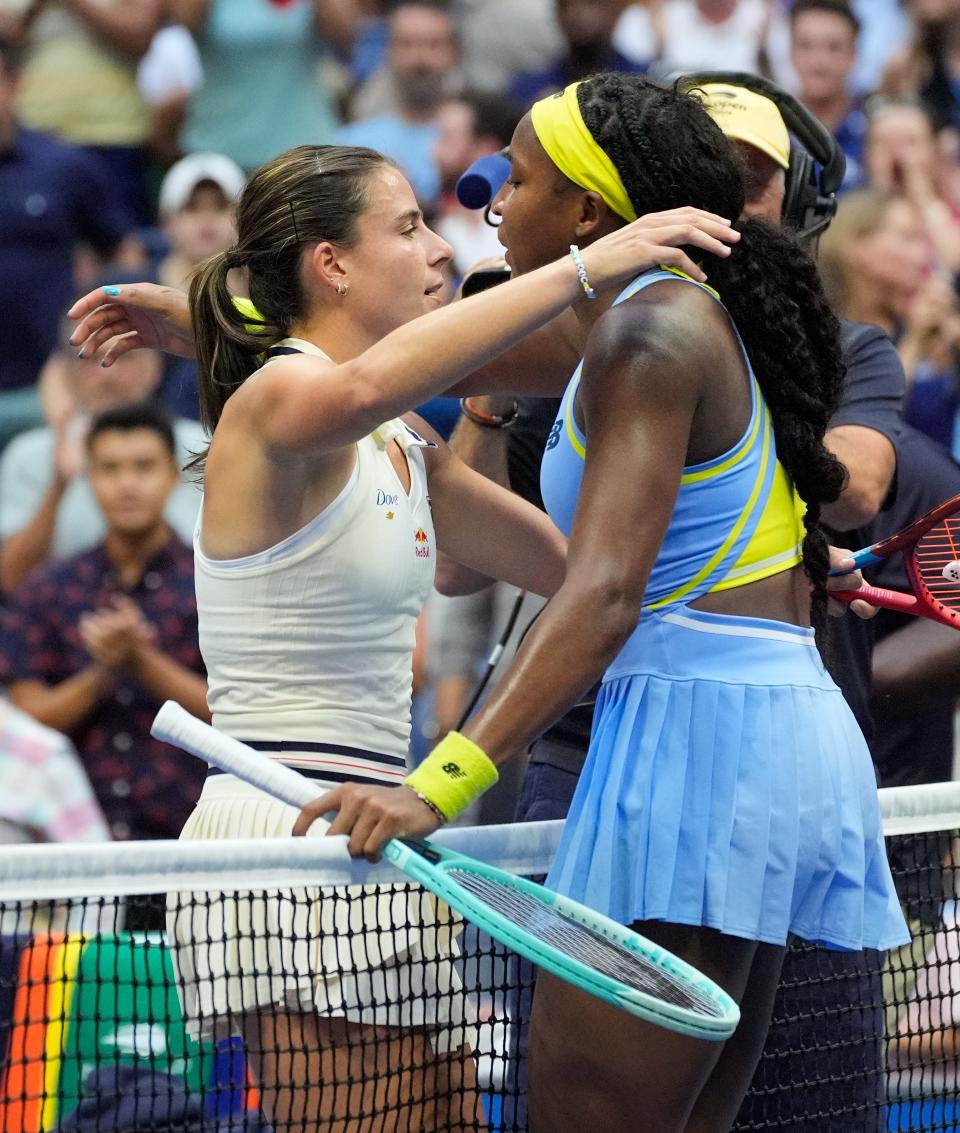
x: 308, y: 649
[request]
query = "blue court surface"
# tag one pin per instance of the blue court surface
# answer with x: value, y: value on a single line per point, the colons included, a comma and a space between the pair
x: 918, y: 1115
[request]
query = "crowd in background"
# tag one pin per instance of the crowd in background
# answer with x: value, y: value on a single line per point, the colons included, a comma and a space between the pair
x: 126, y: 133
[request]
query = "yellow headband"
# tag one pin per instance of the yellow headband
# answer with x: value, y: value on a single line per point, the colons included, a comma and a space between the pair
x: 562, y: 132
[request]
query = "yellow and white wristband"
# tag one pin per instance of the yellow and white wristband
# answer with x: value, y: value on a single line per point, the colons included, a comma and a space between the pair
x: 455, y: 773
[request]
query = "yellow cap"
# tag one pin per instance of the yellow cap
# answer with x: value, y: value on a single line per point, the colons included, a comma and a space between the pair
x: 746, y: 116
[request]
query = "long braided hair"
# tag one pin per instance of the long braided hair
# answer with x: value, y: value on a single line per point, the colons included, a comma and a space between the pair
x: 669, y: 153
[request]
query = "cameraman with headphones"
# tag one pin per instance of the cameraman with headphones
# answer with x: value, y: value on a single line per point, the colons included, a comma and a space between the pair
x: 503, y: 437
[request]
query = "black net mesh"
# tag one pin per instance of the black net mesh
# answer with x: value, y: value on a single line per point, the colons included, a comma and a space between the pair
x: 864, y: 1041
x: 351, y: 1011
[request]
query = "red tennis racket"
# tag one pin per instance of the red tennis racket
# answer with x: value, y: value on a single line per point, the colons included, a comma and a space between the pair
x: 931, y: 555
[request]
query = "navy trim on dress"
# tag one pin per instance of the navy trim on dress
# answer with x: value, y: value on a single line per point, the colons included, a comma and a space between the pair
x: 293, y: 747
x: 325, y: 775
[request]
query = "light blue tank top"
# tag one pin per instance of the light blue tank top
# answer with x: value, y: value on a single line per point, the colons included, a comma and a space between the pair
x: 735, y: 518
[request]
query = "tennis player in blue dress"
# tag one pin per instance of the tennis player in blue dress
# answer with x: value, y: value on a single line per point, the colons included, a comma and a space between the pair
x: 728, y: 798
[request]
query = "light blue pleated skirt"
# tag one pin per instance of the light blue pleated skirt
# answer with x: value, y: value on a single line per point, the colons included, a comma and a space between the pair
x: 728, y: 785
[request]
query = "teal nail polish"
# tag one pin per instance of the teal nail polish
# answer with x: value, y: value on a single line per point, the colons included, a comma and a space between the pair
x: 111, y: 290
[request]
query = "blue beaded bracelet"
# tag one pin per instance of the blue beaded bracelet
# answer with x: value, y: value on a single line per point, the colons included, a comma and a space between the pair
x: 582, y: 272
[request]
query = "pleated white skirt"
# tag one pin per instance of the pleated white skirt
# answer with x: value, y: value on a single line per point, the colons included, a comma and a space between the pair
x: 378, y: 955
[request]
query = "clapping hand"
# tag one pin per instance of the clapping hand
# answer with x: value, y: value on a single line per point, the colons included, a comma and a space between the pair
x: 113, y: 636
x: 69, y: 451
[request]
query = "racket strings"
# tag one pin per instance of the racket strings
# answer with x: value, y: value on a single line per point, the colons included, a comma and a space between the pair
x: 590, y: 947
x: 936, y: 562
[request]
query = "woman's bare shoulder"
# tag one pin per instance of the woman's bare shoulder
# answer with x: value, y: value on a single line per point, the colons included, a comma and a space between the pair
x: 669, y: 317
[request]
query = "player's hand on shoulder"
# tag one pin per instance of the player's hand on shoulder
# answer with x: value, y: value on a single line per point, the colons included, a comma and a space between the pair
x: 655, y: 239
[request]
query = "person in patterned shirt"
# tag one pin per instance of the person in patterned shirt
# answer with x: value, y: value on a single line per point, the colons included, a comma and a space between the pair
x: 45, y: 795
x: 92, y: 645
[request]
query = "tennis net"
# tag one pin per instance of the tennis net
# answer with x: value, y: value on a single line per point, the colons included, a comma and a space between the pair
x: 278, y: 985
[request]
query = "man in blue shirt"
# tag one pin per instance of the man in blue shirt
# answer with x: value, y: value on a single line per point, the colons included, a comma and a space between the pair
x: 52, y: 197
x: 587, y: 26
x: 823, y: 49
x: 422, y: 56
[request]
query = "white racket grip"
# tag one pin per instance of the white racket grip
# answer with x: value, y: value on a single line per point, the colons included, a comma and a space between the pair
x: 175, y: 725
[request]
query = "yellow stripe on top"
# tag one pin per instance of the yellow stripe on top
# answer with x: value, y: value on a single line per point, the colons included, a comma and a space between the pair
x: 717, y: 557
x: 739, y: 452
x: 765, y: 554
x: 777, y: 544
x: 684, y: 275
x: 571, y: 147
x: 575, y: 443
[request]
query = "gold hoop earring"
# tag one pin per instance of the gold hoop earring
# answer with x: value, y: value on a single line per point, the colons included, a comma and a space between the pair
x: 342, y: 287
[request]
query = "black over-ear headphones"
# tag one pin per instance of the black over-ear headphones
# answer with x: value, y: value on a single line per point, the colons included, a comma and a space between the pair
x: 816, y: 170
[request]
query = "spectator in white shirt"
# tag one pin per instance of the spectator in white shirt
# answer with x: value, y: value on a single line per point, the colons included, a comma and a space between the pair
x: 701, y: 35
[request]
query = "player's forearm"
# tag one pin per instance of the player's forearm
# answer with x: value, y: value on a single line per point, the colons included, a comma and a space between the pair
x: 66, y: 705
x: 485, y: 451
x: 426, y: 356
x: 578, y: 635
x: 454, y: 580
x: 495, y: 533
x: 921, y: 661
x: 531, y: 556
x: 167, y: 679
x: 870, y: 460
x: 482, y: 449
x: 540, y: 365
x: 30, y: 546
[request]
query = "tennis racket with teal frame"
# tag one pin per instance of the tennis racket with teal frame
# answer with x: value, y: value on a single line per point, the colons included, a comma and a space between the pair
x: 562, y: 936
